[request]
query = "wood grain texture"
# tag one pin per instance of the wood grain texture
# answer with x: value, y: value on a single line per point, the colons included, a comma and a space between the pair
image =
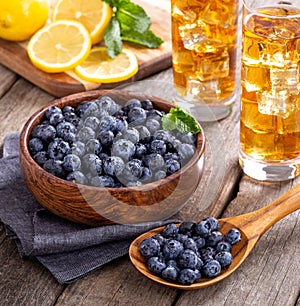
x: 14, y: 56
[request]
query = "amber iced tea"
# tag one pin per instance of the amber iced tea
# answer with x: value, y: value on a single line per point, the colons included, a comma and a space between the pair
x: 204, y: 40
x: 270, y: 109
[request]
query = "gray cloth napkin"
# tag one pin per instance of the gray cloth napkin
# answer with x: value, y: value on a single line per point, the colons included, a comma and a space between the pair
x: 68, y: 250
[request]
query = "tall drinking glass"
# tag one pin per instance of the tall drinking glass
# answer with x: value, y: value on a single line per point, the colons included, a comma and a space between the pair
x: 204, y: 44
x: 270, y: 103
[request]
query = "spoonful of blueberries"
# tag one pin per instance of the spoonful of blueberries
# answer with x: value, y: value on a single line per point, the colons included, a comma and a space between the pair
x: 192, y: 255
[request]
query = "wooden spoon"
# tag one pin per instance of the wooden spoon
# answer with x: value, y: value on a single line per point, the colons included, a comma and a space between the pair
x: 251, y: 225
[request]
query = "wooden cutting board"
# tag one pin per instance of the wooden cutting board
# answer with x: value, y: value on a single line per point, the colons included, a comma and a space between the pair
x: 14, y: 56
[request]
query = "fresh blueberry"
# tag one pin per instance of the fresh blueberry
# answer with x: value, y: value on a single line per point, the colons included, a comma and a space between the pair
x: 143, y: 131
x: 154, y: 161
x: 169, y: 273
x: 156, y: 265
x: 106, y: 103
x: 121, y: 124
x: 172, y: 166
x: 187, y: 277
x: 152, y: 125
x: 223, y: 246
x: 172, y: 249
x: 92, y: 122
x: 190, y: 244
x: 123, y: 148
x: 46, y: 133
x: 72, y: 118
x: 202, y: 229
x: 186, y: 151
x: 182, y: 237
x: 56, y: 118
x: 207, y: 254
x: 170, y: 230
x: 131, y: 104
x: 78, y: 148
x: 58, y: 148
x: 233, y: 236
x: 108, y: 123
x: 92, y: 163
x: 159, y: 174
x: 149, y: 247
x: 200, y: 263
x: 198, y: 274
x: 188, y: 259
x: 212, y: 268
x: 35, y: 145
x: 66, y: 130
x: 146, y: 175
x: 162, y: 135
x: 161, y: 240
x: 52, y: 110
x: 137, y: 115
x: 71, y: 162
x: 86, y: 109
x: 147, y: 104
x: 213, y: 222
x: 131, y: 134
x: 106, y: 138
x: 140, y: 150
x: 187, y: 227
x: 68, y: 109
x: 54, y: 167
x: 77, y: 177
x: 224, y: 258
x: 200, y: 242
x: 93, y: 146
x: 213, y: 238
x: 158, y: 146
x: 113, y: 166
x: 40, y: 157
x: 85, y: 134
x: 155, y: 114
x: 132, y: 171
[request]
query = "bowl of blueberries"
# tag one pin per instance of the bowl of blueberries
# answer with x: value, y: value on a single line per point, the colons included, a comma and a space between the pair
x: 112, y: 157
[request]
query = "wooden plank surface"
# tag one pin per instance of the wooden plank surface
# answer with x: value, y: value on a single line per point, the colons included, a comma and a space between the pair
x: 14, y: 56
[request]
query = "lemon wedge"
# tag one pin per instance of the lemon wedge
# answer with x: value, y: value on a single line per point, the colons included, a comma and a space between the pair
x: 93, y: 14
x: 59, y: 46
x: 100, y: 68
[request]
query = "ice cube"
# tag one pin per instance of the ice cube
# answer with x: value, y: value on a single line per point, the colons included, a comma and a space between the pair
x: 281, y: 104
x: 191, y: 34
x: 284, y: 80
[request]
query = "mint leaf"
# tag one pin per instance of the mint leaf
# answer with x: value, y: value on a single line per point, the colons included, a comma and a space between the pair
x: 132, y: 17
x: 112, y: 3
x: 112, y: 38
x: 179, y: 119
x: 147, y: 39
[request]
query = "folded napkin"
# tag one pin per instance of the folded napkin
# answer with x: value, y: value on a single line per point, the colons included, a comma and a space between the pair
x: 68, y: 250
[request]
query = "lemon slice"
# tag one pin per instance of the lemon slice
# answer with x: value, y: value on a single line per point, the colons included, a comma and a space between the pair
x: 93, y: 14
x: 100, y: 68
x: 59, y: 46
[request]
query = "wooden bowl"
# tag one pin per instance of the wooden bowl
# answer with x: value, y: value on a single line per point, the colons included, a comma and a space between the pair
x: 96, y: 206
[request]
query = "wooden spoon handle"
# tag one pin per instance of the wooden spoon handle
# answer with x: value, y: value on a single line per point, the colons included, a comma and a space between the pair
x: 256, y: 223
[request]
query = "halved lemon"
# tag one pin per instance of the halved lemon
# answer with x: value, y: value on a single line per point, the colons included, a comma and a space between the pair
x: 59, y: 46
x: 93, y: 14
x: 100, y: 68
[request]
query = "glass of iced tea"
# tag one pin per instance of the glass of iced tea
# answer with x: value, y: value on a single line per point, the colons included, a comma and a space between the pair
x: 270, y: 102
x: 204, y: 56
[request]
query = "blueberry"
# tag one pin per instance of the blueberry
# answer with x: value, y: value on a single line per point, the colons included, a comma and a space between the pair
x: 159, y: 174
x: 200, y: 263
x: 147, y: 104
x: 155, y: 114
x: 68, y: 109
x: 78, y: 148
x: 131, y: 104
x: 108, y: 123
x: 169, y: 273
x: 123, y: 148
x: 46, y: 133
x: 76, y: 177
x: 223, y: 246
x: 113, y: 166
x: 187, y: 277
x: 146, y: 175
x: 172, y: 263
x: 172, y: 249
x: 213, y: 223
x: 198, y: 274
x: 120, y: 124
x: 161, y: 240
x: 154, y: 161
x: 132, y: 171
x: 186, y: 151
x: 158, y: 146
x: 137, y: 115
x: 72, y: 118
x: 140, y: 150
x: 170, y: 230
x: 156, y: 265
x: 85, y: 134
x: 131, y: 134
x: 54, y: 167
x: 149, y: 247
x: 92, y: 163
x: 212, y: 268
x: 207, y: 254
x: 200, y: 242
x: 187, y: 227
x: 182, y: 237
x: 52, y: 110
x: 58, y: 148
x: 106, y: 103
x: 35, y: 145
x: 233, y: 236
x: 172, y: 166
x: 213, y: 238
x: 56, y: 118
x: 66, y: 130
x: 92, y: 122
x: 102, y: 181
x: 202, y: 229
x: 224, y: 258
x: 40, y: 157
x: 106, y: 138
x: 93, y: 146
x: 190, y: 244
x: 71, y: 162
x: 143, y: 131
x: 162, y: 135
x: 152, y: 125
x: 85, y: 109
x: 188, y: 259
x: 172, y: 155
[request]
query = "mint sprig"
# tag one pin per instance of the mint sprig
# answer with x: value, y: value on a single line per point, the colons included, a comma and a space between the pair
x: 179, y: 119
x: 129, y: 23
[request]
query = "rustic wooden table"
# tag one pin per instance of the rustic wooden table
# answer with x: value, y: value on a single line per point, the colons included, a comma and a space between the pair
x: 270, y: 276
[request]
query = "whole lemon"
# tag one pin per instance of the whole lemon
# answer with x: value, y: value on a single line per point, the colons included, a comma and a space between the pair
x: 19, y: 19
